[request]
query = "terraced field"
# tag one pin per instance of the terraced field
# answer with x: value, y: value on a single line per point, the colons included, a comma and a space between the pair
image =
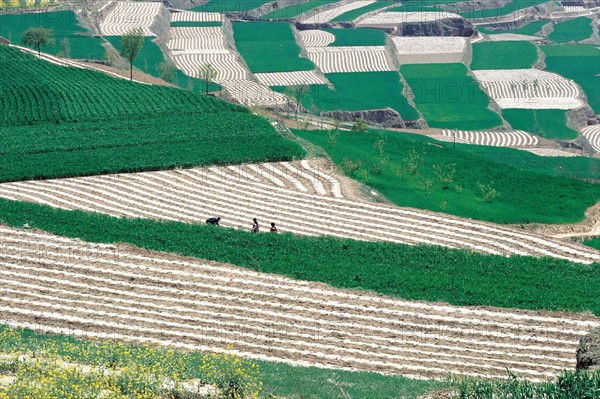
x: 328, y: 15
x: 529, y: 88
x: 290, y: 78
x: 308, y: 203
x: 57, y: 283
x: 349, y: 59
x: 316, y: 38
x: 513, y: 138
x: 125, y: 16
x: 592, y: 134
x: 427, y: 50
x: 393, y: 19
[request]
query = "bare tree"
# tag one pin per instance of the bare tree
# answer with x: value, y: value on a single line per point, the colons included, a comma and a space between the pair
x: 131, y: 45
x: 38, y: 37
x: 167, y: 71
x: 296, y: 92
x: 207, y: 73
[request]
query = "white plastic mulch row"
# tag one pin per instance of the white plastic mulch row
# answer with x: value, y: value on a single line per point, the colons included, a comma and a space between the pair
x: 575, y: 9
x: 225, y: 63
x: 191, y: 16
x: 393, y: 19
x: 327, y: 15
x: 250, y: 93
x: 511, y: 138
x: 511, y: 37
x: 529, y: 89
x: 316, y: 38
x: 58, y: 282
x: 592, y: 134
x: 126, y: 16
x: 290, y: 78
x: 193, y: 195
x: 550, y: 152
x: 425, y: 49
x: 349, y: 59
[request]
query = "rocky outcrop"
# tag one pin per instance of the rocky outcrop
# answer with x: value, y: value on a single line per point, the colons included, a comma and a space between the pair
x: 442, y: 27
x: 581, y: 117
x: 385, y: 118
x: 588, y: 352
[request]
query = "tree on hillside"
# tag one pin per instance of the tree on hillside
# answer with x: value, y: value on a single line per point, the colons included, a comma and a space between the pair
x: 131, y: 45
x: 65, y: 48
x: 296, y: 92
x: 38, y: 37
x: 167, y: 71
x: 207, y: 73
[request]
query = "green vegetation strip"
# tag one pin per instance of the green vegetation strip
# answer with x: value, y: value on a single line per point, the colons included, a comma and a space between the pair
x: 427, y: 273
x: 65, y: 26
x: 504, y: 55
x: 195, y: 24
x: 573, y: 30
x: 580, y: 63
x: 150, y: 59
x: 241, y: 6
x: 128, y: 145
x: 358, y: 37
x: 279, y: 379
x: 548, y: 123
x: 508, y: 8
x: 359, y: 91
x: 530, y: 29
x: 532, y: 194
x: 353, y: 14
x: 449, y: 98
x: 269, y: 47
x: 594, y: 243
x: 296, y: 9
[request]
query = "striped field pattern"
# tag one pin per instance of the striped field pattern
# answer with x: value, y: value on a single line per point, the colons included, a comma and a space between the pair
x: 592, y: 135
x: 529, y: 89
x: 189, y: 39
x: 191, y: 16
x: 349, y: 59
x: 65, y: 285
x: 575, y: 9
x: 393, y: 19
x: 227, y: 66
x: 328, y: 15
x: 316, y: 38
x: 250, y: 93
x: 307, y: 204
x: 290, y: 78
x: 550, y: 152
x: 511, y: 138
x: 126, y: 16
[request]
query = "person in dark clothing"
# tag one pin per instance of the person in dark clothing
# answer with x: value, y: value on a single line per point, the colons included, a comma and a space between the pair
x: 273, y: 228
x: 213, y: 221
x: 255, y: 226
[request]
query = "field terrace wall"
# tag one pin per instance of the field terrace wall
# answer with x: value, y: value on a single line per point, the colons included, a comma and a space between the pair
x: 309, y: 203
x: 57, y: 284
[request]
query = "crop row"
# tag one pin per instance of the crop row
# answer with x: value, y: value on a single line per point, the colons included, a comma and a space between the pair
x: 126, y: 16
x: 349, y: 59
x: 513, y: 138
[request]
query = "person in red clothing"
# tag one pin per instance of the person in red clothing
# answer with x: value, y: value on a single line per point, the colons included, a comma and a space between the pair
x: 273, y: 228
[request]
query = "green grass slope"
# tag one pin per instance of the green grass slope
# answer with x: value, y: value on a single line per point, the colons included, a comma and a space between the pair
x: 269, y: 47
x: 359, y: 91
x: 525, y: 196
x: 427, y: 273
x: 548, y: 123
x: 358, y: 37
x: 59, y: 121
x: 449, y: 98
x: 296, y: 9
x: 65, y: 25
x: 504, y: 55
x: 573, y: 30
x: 580, y: 63
x: 593, y: 243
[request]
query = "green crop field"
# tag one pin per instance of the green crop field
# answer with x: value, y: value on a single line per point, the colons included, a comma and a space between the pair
x: 427, y: 273
x: 359, y: 91
x: 574, y: 30
x: 269, y: 47
x: 580, y: 63
x: 242, y: 6
x: 358, y: 37
x: 525, y: 195
x: 508, y: 8
x: 151, y: 56
x: 195, y: 24
x: 504, y: 55
x: 353, y: 14
x: 548, y: 123
x: 75, y: 121
x: 279, y: 379
x: 530, y: 29
x: 296, y: 9
x: 593, y: 243
x: 449, y: 98
x: 64, y: 24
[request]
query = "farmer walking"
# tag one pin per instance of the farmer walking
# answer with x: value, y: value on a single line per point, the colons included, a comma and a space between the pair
x: 255, y: 226
x: 273, y: 228
x: 213, y: 221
